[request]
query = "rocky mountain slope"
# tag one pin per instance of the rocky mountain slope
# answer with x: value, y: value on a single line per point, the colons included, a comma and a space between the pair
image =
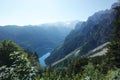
x: 98, y: 51
x: 86, y: 36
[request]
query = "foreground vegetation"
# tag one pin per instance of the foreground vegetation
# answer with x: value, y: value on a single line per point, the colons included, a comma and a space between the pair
x: 17, y: 64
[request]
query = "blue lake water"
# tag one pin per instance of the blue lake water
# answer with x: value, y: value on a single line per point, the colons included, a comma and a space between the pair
x: 42, y: 59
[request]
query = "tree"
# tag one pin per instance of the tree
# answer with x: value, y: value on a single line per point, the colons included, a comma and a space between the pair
x: 14, y: 63
x: 90, y: 73
x: 7, y: 47
x: 114, y: 47
x: 22, y: 67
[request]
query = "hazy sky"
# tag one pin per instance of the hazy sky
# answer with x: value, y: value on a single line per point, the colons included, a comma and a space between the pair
x: 25, y: 12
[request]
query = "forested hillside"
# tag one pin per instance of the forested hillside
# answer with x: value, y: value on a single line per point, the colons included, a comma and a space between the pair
x: 40, y: 38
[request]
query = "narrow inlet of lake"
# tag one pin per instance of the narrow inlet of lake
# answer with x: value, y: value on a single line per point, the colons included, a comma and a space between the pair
x: 42, y: 59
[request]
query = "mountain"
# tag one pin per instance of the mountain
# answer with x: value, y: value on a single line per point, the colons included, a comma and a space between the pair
x: 40, y: 38
x: 86, y: 36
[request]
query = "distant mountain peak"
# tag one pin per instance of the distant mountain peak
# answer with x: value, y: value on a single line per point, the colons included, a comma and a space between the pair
x: 68, y: 24
x: 117, y: 4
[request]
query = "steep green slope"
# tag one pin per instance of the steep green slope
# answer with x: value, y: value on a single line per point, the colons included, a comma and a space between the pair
x: 64, y: 62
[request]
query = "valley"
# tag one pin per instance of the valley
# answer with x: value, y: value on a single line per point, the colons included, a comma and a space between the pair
x: 63, y: 50
x: 37, y: 38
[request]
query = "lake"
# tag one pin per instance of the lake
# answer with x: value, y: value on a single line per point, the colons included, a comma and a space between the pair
x: 42, y: 59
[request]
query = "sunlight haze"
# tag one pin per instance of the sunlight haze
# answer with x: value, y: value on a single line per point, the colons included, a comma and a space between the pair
x: 33, y: 12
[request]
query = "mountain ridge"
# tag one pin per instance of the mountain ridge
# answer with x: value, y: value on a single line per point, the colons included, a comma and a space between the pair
x: 88, y: 35
x: 36, y: 38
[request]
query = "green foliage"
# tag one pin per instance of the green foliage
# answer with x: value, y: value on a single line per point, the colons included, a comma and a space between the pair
x: 23, y: 67
x: 6, y: 47
x: 113, y: 75
x: 19, y: 66
x: 90, y: 73
x: 77, y: 65
x: 114, y: 46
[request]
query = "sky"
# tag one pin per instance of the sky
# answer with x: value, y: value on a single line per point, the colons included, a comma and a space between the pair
x: 34, y: 12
